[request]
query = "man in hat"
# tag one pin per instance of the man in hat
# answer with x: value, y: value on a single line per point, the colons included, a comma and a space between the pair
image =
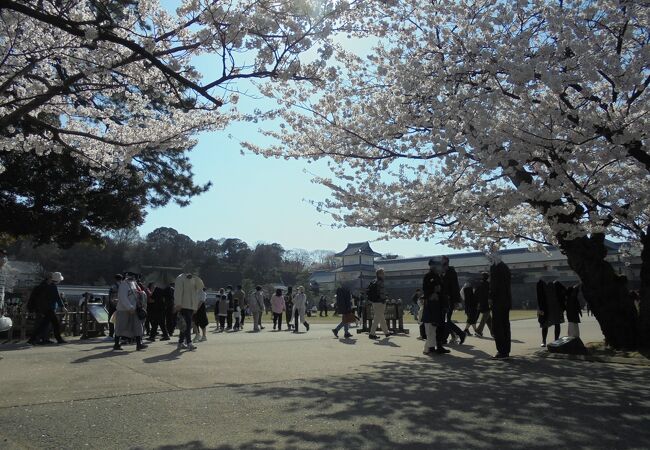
x: 45, y: 300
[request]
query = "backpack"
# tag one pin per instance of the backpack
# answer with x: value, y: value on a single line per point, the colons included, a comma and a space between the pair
x: 373, y: 292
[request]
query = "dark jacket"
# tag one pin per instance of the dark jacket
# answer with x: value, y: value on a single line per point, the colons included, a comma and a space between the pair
x: 450, y: 293
x: 500, y: 292
x: 343, y: 300
x: 542, y: 305
x: 471, y: 304
x: 432, y: 310
x: 482, y: 296
x: 573, y: 309
x: 45, y: 297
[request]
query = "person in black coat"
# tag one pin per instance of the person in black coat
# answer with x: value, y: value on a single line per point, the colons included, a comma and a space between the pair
x: 44, y: 301
x: 501, y: 296
x: 344, y: 307
x: 471, y: 307
x: 482, y: 296
x: 156, y: 313
x: 433, y: 313
x: 573, y: 310
x: 449, y: 298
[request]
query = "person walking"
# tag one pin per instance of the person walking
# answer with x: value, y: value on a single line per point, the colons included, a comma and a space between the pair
x: 112, y: 303
x: 45, y: 300
x: 156, y: 315
x: 288, y: 301
x: 186, y: 302
x: 221, y: 309
x: 127, y: 321
x: 169, y: 312
x: 471, y: 307
x: 433, y: 312
x: 239, y: 301
x: 231, y: 308
x: 377, y: 295
x: 344, y: 307
x: 299, y: 308
x: 277, y: 308
x: 482, y: 296
x: 501, y: 296
x: 549, y: 313
x: 322, y: 306
x: 201, y: 318
x: 449, y: 298
x: 256, y: 307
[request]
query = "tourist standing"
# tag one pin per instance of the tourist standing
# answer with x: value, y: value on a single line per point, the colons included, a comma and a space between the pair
x: 256, y: 307
x: 299, y: 308
x: 501, y: 296
x: 277, y: 308
x: 377, y: 295
x: 482, y: 296
x: 549, y: 313
x: 186, y: 302
x: 127, y: 323
x: 231, y: 307
x: 573, y: 311
x: 45, y: 302
x: 169, y: 310
x: 344, y: 307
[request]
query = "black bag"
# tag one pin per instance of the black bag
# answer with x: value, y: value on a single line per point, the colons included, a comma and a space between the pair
x: 142, y: 314
x: 373, y: 292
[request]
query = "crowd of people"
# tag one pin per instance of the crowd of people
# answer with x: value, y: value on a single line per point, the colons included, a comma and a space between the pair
x: 141, y: 313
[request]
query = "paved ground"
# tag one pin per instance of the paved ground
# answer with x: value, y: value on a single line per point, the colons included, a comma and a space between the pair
x: 281, y: 390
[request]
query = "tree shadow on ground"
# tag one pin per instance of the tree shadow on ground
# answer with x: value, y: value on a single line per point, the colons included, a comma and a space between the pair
x: 473, y: 403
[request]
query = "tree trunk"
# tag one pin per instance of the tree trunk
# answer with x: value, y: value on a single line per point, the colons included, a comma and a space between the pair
x: 604, y: 290
x: 644, y: 307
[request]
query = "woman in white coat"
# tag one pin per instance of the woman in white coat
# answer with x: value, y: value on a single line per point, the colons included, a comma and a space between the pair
x: 127, y: 322
x: 299, y: 308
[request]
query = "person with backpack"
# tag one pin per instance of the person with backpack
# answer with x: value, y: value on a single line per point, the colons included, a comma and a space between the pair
x: 44, y: 300
x: 377, y: 296
x: 344, y: 307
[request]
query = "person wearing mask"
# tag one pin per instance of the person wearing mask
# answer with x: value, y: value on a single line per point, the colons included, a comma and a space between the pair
x: 501, y: 297
x: 45, y: 300
x: 127, y: 323
x: 277, y: 308
x: 186, y: 302
x: 377, y: 295
x: 256, y: 307
x: 344, y: 307
x: 299, y: 309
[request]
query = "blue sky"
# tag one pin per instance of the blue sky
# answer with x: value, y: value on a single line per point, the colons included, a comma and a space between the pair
x: 263, y: 200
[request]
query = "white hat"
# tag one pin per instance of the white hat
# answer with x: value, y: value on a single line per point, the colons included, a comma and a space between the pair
x: 56, y: 276
x: 5, y: 324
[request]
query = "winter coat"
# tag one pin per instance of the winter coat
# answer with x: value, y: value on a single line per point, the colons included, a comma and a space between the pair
x: 277, y: 304
x: 257, y: 302
x: 500, y: 288
x: 186, y: 292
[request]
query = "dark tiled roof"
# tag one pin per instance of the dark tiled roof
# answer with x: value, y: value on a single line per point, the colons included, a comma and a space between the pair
x: 358, y: 248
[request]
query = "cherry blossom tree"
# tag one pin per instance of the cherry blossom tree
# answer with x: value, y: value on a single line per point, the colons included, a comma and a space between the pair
x: 112, y: 84
x: 487, y: 123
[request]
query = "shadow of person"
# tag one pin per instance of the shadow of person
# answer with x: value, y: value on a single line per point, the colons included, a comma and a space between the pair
x: 386, y: 342
x: 171, y: 356
x: 108, y: 354
x: 348, y: 341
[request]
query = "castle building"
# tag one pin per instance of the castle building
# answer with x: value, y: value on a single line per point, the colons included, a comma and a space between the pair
x: 356, y: 266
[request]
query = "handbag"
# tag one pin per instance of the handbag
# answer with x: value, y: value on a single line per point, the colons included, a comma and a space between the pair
x: 142, y: 314
x: 349, y: 318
